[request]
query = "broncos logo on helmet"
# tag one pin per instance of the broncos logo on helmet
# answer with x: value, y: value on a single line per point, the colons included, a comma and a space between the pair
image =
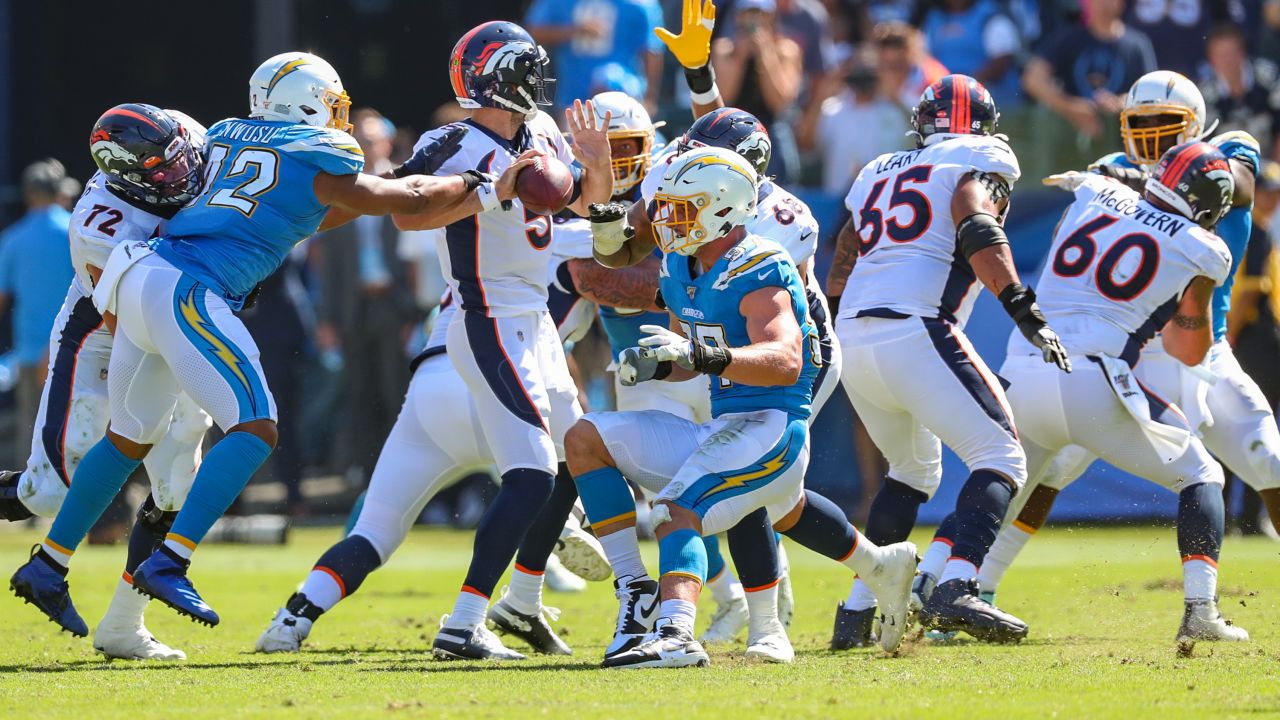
x: 732, y: 129
x: 499, y: 65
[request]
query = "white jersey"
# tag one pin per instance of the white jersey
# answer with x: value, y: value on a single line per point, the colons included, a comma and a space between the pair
x: 1116, y: 270
x: 908, y: 263
x: 495, y: 261
x: 100, y: 221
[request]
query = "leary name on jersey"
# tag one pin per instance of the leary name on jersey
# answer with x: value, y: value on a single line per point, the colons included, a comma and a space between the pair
x: 908, y: 263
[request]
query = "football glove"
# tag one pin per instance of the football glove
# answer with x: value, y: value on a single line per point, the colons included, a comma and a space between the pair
x: 1069, y: 180
x: 692, y: 47
x: 635, y: 366
x: 664, y: 345
x: 431, y: 157
x: 609, y: 228
x: 1020, y: 302
x: 1133, y: 177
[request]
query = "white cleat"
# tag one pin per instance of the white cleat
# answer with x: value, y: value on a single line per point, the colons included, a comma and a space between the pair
x: 560, y: 580
x: 134, y: 643
x: 285, y: 633
x: 1202, y: 621
x: 728, y: 621
x: 770, y: 644
x: 581, y: 554
x: 890, y: 582
x: 667, y: 646
x: 786, y: 598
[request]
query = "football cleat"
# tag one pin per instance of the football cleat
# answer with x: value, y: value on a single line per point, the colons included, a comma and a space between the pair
x: 11, y: 508
x: 581, y: 554
x: 637, y: 611
x: 786, y: 598
x: 728, y: 621
x: 988, y: 597
x: 853, y: 628
x: 163, y: 577
x: 890, y: 582
x: 1202, y: 621
x: 285, y: 633
x: 534, y: 628
x: 955, y: 605
x: 669, y: 646
x: 43, y: 583
x: 476, y: 643
x: 558, y: 578
x: 769, y: 642
x: 921, y: 588
x: 135, y: 643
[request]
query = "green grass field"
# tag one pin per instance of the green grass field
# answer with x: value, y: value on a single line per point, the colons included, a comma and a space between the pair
x: 1103, y: 606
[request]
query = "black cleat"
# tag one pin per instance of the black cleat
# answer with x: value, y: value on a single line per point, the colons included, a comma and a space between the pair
x: 476, y: 643
x: 853, y: 628
x: 667, y: 647
x: 638, y: 604
x: 11, y: 508
x: 955, y: 605
x: 42, y: 582
x: 533, y: 629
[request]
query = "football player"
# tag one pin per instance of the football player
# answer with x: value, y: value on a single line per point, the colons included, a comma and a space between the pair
x: 502, y: 340
x: 738, y: 314
x: 270, y: 182
x: 926, y: 235
x: 149, y: 165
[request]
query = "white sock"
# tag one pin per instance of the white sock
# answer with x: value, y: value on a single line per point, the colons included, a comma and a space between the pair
x: 622, y: 548
x: 860, y: 596
x: 468, y: 611
x: 59, y: 554
x: 125, y: 610
x: 862, y: 559
x: 935, y: 558
x: 680, y: 613
x: 181, y: 546
x: 762, y: 606
x: 958, y: 569
x: 525, y: 592
x: 1012, y: 538
x: 725, y: 587
x: 1199, y: 578
x: 323, y: 589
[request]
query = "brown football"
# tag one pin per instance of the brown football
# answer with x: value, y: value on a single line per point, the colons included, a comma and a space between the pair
x: 545, y: 186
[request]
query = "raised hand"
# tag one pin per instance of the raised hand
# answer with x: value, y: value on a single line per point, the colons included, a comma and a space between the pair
x: 692, y: 47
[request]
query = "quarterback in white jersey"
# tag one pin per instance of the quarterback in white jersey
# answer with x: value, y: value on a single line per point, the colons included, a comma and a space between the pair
x: 1121, y: 268
x: 926, y: 228
x: 117, y: 206
x: 502, y: 340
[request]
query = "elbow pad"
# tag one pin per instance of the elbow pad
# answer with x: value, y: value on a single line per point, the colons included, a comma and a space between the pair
x: 978, y: 232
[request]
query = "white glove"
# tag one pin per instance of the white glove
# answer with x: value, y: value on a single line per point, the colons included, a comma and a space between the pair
x: 609, y: 228
x: 661, y: 344
x: 635, y: 366
x: 1069, y: 180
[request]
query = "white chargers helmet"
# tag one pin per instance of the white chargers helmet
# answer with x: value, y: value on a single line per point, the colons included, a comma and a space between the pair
x: 299, y: 87
x: 705, y: 193
x: 628, y: 121
x: 1162, y: 109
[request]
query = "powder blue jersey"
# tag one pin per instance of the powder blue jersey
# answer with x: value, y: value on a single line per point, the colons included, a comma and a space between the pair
x: 258, y: 201
x: 707, y: 307
x: 1234, y: 228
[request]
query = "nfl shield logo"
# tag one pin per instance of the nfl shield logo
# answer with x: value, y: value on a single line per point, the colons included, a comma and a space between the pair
x: 692, y: 291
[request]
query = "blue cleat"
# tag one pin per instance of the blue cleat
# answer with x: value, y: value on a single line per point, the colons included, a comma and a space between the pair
x: 43, y: 583
x: 163, y: 576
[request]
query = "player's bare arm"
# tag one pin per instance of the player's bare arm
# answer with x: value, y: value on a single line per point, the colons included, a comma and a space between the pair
x: 371, y: 195
x: 622, y: 236
x: 631, y: 287
x: 591, y: 149
x: 1189, y: 334
x: 846, y: 257
x: 468, y: 204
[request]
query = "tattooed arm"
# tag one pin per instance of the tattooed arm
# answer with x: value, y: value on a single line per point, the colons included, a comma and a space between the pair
x: 629, y: 287
x: 842, y: 263
x: 1188, y: 336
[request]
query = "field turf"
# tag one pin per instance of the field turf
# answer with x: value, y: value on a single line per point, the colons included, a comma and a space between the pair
x: 1103, y: 605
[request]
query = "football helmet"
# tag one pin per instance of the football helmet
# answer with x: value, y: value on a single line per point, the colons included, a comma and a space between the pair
x: 732, y: 129
x: 499, y: 65
x: 628, y: 120
x: 147, y: 155
x: 954, y: 105
x: 1162, y: 109
x: 1195, y: 179
x: 302, y: 88
x: 704, y: 194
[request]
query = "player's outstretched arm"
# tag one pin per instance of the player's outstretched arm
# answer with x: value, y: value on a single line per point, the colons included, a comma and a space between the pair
x: 1189, y: 334
x: 692, y: 48
x: 364, y: 194
x: 488, y: 196
x: 633, y: 287
x: 621, y: 236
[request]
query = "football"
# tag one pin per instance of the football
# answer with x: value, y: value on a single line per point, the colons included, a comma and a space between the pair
x: 545, y: 186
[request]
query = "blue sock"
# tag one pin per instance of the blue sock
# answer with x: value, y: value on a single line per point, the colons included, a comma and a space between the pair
x: 754, y: 546
x: 823, y: 528
x: 1200, y: 521
x: 222, y: 476
x: 351, y: 559
x: 504, y: 525
x: 980, y: 509
x: 681, y: 552
x: 101, y: 474
x: 605, y: 496
x: 715, y: 560
x: 545, y: 531
x: 893, y: 512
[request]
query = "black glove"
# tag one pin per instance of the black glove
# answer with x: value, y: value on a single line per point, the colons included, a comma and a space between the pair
x: 1020, y: 302
x: 1133, y: 177
x: 430, y: 157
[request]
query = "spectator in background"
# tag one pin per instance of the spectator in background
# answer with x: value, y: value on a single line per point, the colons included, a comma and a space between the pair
x: 808, y: 24
x: 1177, y: 29
x: 761, y: 71
x: 366, y: 308
x: 1082, y: 73
x: 1243, y: 93
x: 977, y: 38
x: 851, y: 122
x: 905, y: 67
x: 35, y: 271
x: 69, y: 191
x: 581, y: 35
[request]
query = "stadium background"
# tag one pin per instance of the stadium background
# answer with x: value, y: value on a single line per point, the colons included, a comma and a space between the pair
x: 62, y: 63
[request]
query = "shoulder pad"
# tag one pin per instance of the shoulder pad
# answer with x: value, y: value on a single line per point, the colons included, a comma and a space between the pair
x: 994, y: 156
x: 328, y: 149
x: 1212, y: 255
x: 218, y: 127
x: 762, y: 262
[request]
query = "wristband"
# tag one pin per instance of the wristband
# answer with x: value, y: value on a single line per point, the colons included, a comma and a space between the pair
x: 702, y: 84
x: 710, y: 359
x: 1020, y: 302
x: 472, y: 178
x: 663, y: 370
x: 488, y: 195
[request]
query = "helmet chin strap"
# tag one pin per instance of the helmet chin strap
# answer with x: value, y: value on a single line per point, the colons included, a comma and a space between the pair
x: 1207, y: 131
x: 530, y: 110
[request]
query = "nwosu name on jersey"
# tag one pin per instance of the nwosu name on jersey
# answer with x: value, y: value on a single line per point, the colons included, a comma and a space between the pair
x: 1117, y: 267
x: 908, y: 264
